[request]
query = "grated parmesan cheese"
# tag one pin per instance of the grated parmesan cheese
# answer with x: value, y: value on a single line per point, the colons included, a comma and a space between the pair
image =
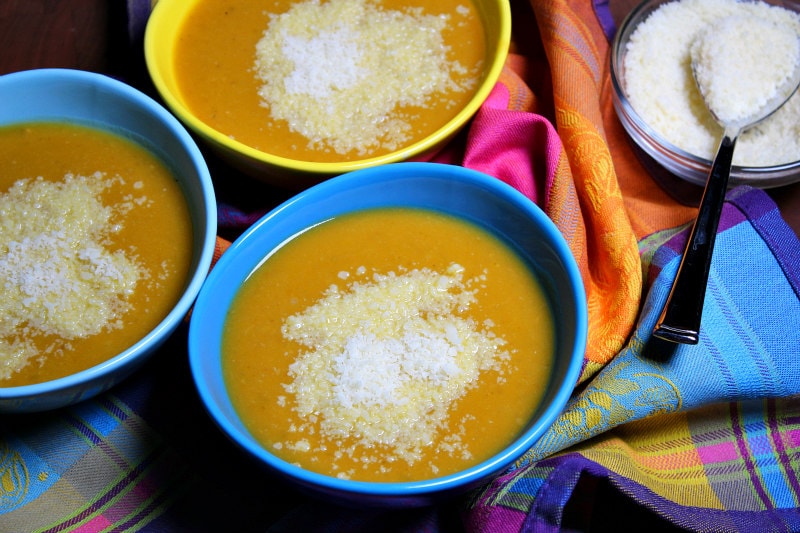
x: 743, y: 63
x: 386, y: 359
x: 338, y: 72
x: 59, y: 277
x: 659, y: 84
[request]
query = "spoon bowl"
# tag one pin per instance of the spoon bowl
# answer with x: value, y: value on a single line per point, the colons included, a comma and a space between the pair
x: 739, y: 86
x: 740, y: 89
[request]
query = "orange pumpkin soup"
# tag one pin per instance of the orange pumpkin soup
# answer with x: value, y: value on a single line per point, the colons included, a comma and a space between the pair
x: 389, y: 345
x: 329, y: 81
x: 86, y: 272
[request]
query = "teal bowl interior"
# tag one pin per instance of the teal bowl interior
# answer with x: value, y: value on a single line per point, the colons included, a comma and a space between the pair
x: 94, y: 100
x: 476, y: 197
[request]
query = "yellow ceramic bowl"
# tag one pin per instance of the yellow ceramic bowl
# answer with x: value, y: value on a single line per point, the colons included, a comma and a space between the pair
x: 456, y: 191
x: 164, y: 30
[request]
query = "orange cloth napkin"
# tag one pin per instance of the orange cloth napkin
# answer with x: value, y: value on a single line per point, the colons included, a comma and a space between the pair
x: 584, y: 172
x: 615, y: 200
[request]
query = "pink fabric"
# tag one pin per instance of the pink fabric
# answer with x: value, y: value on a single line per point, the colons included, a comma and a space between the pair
x: 518, y: 147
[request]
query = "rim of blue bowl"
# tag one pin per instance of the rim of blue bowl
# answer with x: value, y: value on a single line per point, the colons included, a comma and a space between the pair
x: 194, y: 283
x: 412, y: 489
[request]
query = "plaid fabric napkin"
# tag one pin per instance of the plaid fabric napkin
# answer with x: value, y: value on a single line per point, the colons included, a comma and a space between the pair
x: 698, y: 437
x: 705, y: 437
x: 702, y: 437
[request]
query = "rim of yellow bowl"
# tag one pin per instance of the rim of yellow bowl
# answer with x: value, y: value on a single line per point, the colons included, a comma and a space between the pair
x: 164, y: 25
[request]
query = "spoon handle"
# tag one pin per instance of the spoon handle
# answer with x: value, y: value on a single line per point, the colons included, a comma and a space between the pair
x: 680, y: 319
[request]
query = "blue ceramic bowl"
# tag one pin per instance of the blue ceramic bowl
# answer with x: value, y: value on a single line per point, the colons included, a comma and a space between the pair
x: 474, y: 196
x: 101, y: 102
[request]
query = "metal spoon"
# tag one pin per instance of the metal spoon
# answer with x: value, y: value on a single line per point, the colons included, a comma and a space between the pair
x: 680, y: 319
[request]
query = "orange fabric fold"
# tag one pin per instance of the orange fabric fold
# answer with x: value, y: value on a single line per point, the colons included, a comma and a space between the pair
x: 603, y: 240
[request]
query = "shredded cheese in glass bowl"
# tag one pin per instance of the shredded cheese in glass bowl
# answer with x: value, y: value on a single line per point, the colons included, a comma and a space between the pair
x: 661, y: 108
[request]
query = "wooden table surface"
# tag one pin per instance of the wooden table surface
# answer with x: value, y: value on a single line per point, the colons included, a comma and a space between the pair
x: 92, y: 35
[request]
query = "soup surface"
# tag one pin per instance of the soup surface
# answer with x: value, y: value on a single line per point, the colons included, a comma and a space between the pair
x: 333, y: 80
x: 389, y: 345
x: 86, y: 273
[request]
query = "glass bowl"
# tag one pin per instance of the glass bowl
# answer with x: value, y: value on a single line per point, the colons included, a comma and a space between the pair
x: 677, y: 161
